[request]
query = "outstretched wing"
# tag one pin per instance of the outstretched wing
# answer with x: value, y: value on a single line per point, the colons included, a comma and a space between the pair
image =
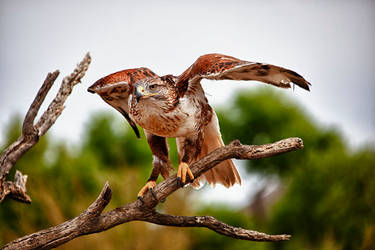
x: 115, y: 89
x: 221, y: 67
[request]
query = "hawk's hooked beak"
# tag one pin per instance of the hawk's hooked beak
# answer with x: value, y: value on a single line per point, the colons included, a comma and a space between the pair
x: 139, y: 92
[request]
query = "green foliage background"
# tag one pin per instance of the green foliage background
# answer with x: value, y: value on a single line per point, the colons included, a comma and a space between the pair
x: 327, y: 198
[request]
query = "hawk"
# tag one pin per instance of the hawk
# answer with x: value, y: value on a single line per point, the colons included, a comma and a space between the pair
x: 176, y: 106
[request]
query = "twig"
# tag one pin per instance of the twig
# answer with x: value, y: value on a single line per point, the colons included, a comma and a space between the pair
x: 92, y: 220
x: 31, y: 133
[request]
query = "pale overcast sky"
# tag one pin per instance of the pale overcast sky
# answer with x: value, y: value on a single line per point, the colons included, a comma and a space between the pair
x: 331, y: 43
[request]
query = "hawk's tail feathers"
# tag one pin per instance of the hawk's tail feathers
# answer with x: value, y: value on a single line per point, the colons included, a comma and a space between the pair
x: 224, y: 173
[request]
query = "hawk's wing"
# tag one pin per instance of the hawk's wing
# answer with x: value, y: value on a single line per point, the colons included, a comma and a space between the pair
x: 115, y: 89
x: 222, y: 67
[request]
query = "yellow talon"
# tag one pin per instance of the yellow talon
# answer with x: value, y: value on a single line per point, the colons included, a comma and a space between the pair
x: 149, y: 185
x: 183, y: 168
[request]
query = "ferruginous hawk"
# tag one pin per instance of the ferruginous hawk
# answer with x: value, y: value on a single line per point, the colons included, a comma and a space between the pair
x: 176, y: 106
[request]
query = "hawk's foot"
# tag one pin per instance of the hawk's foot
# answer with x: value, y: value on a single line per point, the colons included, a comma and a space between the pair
x: 149, y: 186
x: 183, y: 169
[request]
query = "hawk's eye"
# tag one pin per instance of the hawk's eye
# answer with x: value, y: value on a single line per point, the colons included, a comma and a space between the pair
x: 153, y: 86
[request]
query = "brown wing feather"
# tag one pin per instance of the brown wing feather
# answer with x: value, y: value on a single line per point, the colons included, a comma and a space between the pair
x: 116, y: 88
x: 125, y: 77
x: 221, y: 67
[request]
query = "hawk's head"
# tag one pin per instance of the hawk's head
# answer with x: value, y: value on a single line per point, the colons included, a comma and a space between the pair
x: 158, y: 92
x: 137, y: 91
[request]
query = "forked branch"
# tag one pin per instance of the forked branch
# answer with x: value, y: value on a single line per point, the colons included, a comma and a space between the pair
x: 31, y: 132
x: 93, y: 220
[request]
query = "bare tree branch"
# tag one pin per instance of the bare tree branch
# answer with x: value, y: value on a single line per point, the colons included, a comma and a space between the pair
x: 92, y: 220
x: 28, y: 123
x: 213, y: 224
x: 233, y: 150
x: 31, y: 133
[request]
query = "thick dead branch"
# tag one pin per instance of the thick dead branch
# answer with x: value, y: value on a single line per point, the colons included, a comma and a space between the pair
x: 31, y: 133
x: 92, y: 220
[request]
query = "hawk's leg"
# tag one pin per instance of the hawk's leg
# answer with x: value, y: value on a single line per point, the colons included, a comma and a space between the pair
x: 188, y: 151
x: 161, y: 164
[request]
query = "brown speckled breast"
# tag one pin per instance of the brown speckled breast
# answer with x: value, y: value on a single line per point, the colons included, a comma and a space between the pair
x: 184, y: 120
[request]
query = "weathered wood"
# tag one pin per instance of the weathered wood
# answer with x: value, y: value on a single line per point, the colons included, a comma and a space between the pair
x: 17, y: 189
x: 213, y: 224
x: 31, y: 133
x: 93, y: 220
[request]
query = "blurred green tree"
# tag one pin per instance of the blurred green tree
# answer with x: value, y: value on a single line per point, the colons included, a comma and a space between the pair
x: 330, y: 188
